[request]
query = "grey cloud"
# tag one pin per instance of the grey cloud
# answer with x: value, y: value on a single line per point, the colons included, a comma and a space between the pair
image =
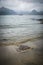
x: 33, y: 1
x: 2, y: 0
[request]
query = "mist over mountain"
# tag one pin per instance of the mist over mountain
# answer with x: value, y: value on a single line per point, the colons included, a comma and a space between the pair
x: 6, y: 11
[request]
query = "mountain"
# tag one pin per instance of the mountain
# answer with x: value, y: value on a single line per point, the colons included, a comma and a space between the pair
x: 41, y: 13
x: 34, y: 12
x: 6, y: 11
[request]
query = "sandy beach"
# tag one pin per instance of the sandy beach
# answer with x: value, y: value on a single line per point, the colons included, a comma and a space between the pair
x: 10, y: 56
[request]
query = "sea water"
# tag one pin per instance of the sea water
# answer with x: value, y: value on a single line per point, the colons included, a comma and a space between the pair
x: 14, y: 27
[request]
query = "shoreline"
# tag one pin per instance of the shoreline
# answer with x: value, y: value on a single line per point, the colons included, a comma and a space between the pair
x: 22, y: 41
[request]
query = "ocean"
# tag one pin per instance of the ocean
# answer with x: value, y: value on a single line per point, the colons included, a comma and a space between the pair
x: 17, y: 27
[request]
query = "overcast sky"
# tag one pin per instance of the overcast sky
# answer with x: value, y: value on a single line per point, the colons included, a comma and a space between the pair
x: 22, y: 5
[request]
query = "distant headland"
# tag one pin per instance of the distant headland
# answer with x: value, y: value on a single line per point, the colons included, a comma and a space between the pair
x: 6, y: 11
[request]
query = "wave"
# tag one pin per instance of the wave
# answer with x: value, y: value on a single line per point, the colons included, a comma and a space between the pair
x: 17, y: 26
x: 21, y: 41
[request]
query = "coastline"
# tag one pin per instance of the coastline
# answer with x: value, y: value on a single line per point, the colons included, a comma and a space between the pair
x: 21, y: 41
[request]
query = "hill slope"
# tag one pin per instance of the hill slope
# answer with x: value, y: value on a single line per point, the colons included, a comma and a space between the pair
x: 6, y: 11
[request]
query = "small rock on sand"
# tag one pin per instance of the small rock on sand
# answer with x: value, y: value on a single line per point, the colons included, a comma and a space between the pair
x: 24, y: 47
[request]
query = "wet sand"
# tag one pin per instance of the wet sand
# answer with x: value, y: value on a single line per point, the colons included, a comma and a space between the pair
x: 10, y: 56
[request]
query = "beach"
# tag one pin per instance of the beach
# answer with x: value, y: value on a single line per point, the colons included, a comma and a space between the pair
x: 10, y: 56
x: 21, y: 40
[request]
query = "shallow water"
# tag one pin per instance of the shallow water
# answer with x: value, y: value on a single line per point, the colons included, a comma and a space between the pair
x: 17, y: 27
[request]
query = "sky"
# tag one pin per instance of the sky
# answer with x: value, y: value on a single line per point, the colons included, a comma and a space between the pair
x: 22, y: 5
